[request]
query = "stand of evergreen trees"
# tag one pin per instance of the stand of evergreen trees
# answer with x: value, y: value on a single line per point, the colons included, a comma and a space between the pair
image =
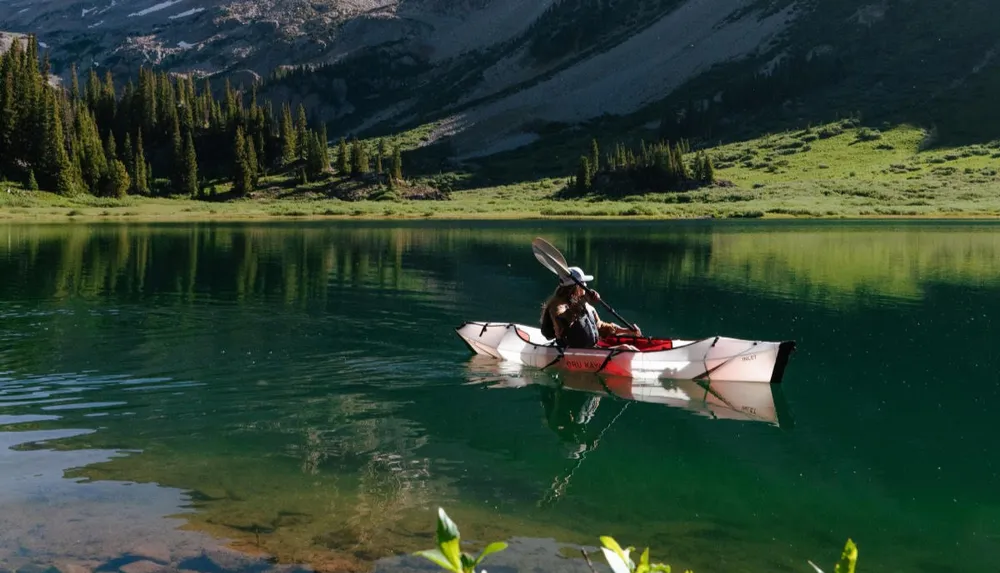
x: 95, y: 139
x: 650, y: 168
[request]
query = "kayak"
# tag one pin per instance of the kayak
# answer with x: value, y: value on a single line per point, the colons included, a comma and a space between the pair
x: 717, y: 358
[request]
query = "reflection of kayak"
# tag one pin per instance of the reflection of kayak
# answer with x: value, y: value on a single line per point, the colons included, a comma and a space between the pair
x: 739, y: 401
x: 709, y: 359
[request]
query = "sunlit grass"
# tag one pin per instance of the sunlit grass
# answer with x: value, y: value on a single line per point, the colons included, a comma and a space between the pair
x: 833, y: 170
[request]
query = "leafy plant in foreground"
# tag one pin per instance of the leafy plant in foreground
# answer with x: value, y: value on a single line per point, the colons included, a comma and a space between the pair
x: 450, y: 557
x: 848, y: 559
x: 448, y: 553
x: 620, y: 561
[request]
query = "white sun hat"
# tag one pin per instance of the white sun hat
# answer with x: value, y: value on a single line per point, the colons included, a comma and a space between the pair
x: 576, y: 273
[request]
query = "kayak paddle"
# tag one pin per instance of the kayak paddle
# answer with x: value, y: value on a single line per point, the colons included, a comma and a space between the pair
x: 552, y: 259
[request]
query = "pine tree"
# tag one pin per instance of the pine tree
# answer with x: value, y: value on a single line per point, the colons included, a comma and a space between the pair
x: 289, y: 149
x: 74, y: 83
x: 697, y: 169
x: 378, y: 160
x: 252, y: 163
x: 359, y: 158
x: 118, y: 181
x: 189, y: 168
x: 343, y: 161
x: 8, y: 119
x: 708, y: 170
x: 595, y: 158
x: 583, y: 175
x: 91, y: 153
x: 300, y: 131
x: 128, y: 155
x: 242, y: 178
x: 32, y: 183
x: 397, y: 164
x: 110, y: 147
x: 324, y: 147
x: 57, y: 162
x: 260, y: 152
x: 315, y: 165
x: 141, y: 177
x: 178, y: 163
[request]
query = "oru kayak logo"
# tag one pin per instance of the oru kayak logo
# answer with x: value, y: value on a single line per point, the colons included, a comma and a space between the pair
x: 580, y: 364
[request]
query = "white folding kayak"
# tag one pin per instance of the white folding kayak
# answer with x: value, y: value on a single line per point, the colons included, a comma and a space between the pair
x: 710, y: 359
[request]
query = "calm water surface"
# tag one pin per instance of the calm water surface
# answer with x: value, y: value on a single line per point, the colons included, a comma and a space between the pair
x: 298, y: 390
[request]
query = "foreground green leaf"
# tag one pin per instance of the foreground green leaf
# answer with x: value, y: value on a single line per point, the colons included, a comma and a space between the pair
x: 848, y: 558
x: 491, y: 548
x: 448, y: 540
x: 437, y: 557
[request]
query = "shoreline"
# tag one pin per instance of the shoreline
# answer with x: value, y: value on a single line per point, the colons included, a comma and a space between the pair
x: 497, y: 204
x: 45, y: 215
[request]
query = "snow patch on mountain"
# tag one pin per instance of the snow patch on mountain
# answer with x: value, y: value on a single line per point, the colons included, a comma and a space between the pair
x: 187, y: 13
x: 155, y: 8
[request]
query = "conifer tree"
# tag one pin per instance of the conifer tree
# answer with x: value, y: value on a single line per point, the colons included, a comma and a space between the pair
x: 178, y: 163
x: 359, y: 158
x: 110, y: 147
x: 697, y: 168
x: 57, y: 162
x: 315, y: 162
x: 300, y: 131
x: 595, y: 158
x: 242, y: 178
x: 74, y: 83
x: 252, y: 163
x: 8, y: 118
x: 289, y: 149
x: 189, y: 168
x: 324, y: 147
x: 378, y: 159
x: 260, y: 153
x: 343, y: 161
x: 708, y: 170
x: 31, y: 184
x: 141, y: 177
x: 397, y: 164
x: 118, y: 181
x: 583, y: 175
x: 128, y: 155
x: 91, y: 154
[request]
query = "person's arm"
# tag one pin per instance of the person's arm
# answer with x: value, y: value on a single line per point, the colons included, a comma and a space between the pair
x: 564, y: 315
x: 609, y: 328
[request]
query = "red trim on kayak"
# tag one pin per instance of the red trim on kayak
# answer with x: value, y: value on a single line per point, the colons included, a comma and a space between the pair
x: 643, y: 344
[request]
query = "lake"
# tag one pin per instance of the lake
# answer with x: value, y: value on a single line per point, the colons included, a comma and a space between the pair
x: 296, y: 392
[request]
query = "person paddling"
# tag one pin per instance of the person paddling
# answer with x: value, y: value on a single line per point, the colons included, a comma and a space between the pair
x: 569, y: 317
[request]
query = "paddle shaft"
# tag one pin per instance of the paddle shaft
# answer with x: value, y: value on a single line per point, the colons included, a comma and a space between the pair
x: 606, y: 305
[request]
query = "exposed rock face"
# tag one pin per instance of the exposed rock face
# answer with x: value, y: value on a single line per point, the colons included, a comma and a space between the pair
x: 427, y: 48
x: 213, y: 35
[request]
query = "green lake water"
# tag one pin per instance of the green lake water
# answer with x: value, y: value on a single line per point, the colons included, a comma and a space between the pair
x: 297, y: 389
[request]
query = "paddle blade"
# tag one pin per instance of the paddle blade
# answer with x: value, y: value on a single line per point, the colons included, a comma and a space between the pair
x: 550, y: 257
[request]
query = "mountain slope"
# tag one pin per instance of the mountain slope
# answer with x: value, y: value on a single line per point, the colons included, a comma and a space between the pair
x: 501, y: 75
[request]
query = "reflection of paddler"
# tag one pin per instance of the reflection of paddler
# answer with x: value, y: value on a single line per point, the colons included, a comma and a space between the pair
x: 568, y: 414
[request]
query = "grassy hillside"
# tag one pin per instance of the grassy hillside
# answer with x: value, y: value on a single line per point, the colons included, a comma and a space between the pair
x: 832, y: 170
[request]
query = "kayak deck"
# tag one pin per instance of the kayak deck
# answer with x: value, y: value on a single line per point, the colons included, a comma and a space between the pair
x: 712, y: 359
